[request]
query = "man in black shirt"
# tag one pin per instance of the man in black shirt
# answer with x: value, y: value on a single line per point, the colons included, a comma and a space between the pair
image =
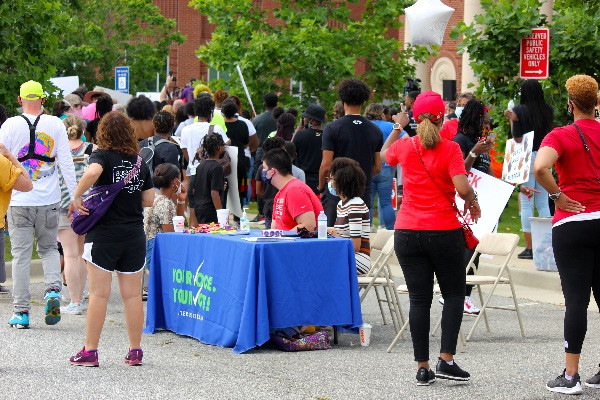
x: 351, y: 136
x: 410, y: 98
x: 309, y: 143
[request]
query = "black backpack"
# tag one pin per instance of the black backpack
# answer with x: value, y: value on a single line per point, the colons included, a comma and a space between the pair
x: 147, y: 152
x: 31, y: 152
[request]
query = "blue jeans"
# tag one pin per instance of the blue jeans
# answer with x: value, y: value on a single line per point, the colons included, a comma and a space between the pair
x: 149, y: 250
x: 381, y: 184
x: 540, y: 200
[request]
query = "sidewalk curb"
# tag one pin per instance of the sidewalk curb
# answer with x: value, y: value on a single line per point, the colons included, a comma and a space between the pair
x: 36, y: 270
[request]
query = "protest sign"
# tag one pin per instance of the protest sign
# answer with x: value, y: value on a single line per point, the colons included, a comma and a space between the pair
x: 493, y: 195
x: 517, y: 159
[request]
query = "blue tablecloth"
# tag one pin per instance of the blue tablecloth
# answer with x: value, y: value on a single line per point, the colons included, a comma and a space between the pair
x: 229, y: 292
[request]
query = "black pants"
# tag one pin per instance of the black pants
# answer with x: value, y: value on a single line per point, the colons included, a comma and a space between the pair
x: 421, y: 254
x: 577, y: 253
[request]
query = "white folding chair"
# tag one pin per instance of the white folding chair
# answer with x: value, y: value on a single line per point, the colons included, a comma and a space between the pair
x: 496, y: 244
x: 380, y: 275
x: 502, y: 245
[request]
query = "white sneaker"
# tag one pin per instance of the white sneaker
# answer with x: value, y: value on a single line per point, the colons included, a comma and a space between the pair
x: 470, y: 306
x: 441, y: 300
x: 72, y: 308
x: 83, y: 304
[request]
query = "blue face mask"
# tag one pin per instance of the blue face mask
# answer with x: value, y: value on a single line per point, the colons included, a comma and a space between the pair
x: 458, y: 111
x: 265, y: 178
x: 331, y: 189
x: 83, y: 139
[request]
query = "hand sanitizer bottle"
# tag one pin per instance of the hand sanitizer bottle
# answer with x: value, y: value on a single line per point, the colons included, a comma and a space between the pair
x: 244, y: 224
x: 322, y: 226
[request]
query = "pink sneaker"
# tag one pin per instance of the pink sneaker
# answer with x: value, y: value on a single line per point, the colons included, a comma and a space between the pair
x: 85, y: 358
x: 134, y: 357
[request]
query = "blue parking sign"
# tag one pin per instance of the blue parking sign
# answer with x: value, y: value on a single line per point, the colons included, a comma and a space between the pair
x: 122, y: 79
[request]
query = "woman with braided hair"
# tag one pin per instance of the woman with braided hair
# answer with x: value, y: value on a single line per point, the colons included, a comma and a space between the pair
x: 210, y: 180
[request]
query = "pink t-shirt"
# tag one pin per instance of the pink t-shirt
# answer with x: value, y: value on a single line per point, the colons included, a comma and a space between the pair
x: 576, y: 177
x: 293, y: 199
x: 89, y: 112
x: 423, y: 205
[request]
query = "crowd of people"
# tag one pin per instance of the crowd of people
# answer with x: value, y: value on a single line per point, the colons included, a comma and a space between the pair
x: 175, y: 159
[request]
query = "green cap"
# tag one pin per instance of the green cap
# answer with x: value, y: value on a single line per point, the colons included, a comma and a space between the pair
x: 32, y: 90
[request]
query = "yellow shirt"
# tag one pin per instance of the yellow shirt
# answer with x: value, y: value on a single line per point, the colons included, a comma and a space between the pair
x: 8, y: 175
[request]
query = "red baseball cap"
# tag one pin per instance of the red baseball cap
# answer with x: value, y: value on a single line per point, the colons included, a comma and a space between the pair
x: 429, y: 102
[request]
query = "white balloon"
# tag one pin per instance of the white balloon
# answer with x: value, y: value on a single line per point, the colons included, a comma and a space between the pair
x: 427, y: 21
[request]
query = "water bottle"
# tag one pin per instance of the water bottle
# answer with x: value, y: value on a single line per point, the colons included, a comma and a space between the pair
x: 511, y: 105
x: 322, y: 225
x: 244, y: 224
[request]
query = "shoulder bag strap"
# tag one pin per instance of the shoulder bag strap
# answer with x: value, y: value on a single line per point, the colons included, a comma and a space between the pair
x: 412, y: 139
x: 134, y: 171
x: 211, y: 129
x: 587, y: 150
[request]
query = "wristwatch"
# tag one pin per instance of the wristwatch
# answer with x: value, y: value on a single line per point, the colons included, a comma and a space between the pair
x: 472, y: 154
x: 555, y: 196
x: 397, y: 126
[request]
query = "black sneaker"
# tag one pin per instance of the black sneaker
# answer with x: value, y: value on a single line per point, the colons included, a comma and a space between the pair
x: 594, y: 381
x: 258, y: 218
x: 565, y: 386
x: 453, y: 372
x: 425, y: 377
x: 526, y: 254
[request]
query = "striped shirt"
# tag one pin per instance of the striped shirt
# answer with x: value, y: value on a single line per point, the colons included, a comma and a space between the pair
x: 353, y: 221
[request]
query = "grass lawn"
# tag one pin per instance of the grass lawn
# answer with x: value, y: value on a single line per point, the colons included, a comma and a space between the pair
x: 510, y: 221
x: 8, y: 256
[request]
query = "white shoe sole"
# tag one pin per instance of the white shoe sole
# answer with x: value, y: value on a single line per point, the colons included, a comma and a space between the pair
x: 574, y: 390
x: 425, y: 383
x: 451, y: 377
x: 592, y: 385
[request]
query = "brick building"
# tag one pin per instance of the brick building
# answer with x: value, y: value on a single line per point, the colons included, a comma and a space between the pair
x: 447, y: 65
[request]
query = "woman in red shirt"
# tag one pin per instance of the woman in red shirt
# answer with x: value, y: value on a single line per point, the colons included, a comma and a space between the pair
x: 428, y: 237
x: 575, y: 152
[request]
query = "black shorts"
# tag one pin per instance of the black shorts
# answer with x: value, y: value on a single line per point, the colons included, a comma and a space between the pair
x: 126, y: 257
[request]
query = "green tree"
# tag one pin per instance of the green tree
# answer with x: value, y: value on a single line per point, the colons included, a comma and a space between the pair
x: 315, y: 42
x: 30, y: 32
x: 103, y: 34
x: 493, y: 42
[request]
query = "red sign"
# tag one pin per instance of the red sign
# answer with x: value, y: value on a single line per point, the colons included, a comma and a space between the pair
x: 535, y: 54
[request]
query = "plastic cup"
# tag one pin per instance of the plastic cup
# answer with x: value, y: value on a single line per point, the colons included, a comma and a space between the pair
x: 365, y: 334
x: 223, y: 216
x: 178, y: 223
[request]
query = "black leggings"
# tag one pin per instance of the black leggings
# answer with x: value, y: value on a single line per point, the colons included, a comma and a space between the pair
x: 421, y: 254
x: 577, y: 252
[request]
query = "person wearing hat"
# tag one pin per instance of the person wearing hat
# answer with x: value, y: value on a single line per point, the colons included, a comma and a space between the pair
x: 428, y: 239
x: 41, y: 144
x: 89, y: 112
x: 76, y: 104
x: 308, y: 143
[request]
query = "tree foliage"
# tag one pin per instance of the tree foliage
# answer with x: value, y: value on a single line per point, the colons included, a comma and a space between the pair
x: 29, y: 33
x: 316, y: 42
x: 45, y: 38
x: 493, y: 43
x: 109, y: 33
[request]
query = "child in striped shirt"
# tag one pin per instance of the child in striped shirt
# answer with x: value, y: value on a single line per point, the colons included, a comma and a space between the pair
x: 347, y: 180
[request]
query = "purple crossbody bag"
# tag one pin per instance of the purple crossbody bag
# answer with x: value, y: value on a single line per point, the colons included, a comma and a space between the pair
x: 98, y: 201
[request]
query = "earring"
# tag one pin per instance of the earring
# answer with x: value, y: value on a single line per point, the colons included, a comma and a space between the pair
x: 596, y: 113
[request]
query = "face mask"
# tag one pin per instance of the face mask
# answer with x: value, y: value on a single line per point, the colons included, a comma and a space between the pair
x: 458, y: 111
x: 331, y: 189
x: 77, y: 111
x: 266, y: 179
x: 83, y: 139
